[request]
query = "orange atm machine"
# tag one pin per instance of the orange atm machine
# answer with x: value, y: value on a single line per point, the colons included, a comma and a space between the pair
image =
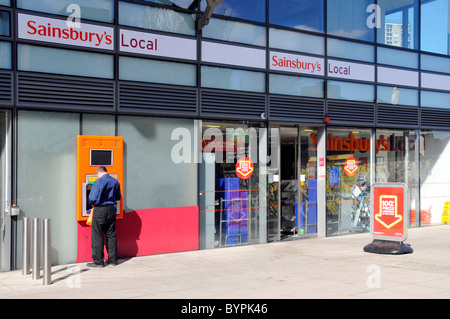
x: 92, y: 152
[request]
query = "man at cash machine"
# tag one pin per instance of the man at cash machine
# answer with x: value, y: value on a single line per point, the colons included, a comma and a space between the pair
x: 103, y: 196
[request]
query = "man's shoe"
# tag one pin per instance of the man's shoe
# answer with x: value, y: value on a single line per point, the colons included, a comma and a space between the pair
x: 94, y: 265
x: 111, y: 263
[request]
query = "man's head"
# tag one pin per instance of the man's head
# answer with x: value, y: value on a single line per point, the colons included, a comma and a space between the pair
x: 101, y: 170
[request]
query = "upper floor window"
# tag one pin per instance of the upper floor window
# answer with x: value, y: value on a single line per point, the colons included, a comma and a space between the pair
x: 254, y: 10
x: 298, y: 14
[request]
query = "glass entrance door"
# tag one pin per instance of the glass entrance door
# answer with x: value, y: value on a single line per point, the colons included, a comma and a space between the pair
x: 292, y: 183
x: 233, y: 188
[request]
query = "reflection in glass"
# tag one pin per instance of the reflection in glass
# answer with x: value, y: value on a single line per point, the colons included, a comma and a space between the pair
x: 53, y: 60
x: 235, y: 31
x: 152, y: 18
x: 254, y: 10
x: 298, y: 14
x: 435, y: 99
x: 399, y: 21
x: 232, y: 196
x: 397, y: 96
x: 434, y: 175
x: 5, y: 55
x: 98, y: 10
x: 5, y: 23
x: 46, y: 152
x: 296, y: 85
x: 348, y: 181
x: 434, y: 26
x: 231, y: 79
x: 350, y: 91
x: 155, y: 71
x: 397, y: 162
x: 296, y: 41
x: 348, y: 18
x: 185, y: 4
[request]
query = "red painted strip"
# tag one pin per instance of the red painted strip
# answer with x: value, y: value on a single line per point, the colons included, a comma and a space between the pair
x: 144, y: 232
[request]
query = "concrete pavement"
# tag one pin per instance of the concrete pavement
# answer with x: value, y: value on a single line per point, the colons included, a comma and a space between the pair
x: 335, y: 267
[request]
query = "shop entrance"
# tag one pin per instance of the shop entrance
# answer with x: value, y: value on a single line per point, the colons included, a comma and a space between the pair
x: 292, y: 183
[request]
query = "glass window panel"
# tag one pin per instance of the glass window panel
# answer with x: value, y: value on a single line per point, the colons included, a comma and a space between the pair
x: 5, y: 19
x: 435, y: 63
x: 62, y: 61
x: 296, y: 41
x: 5, y: 55
x: 435, y: 99
x: 399, y: 23
x: 5, y: 193
x: 235, y: 32
x: 232, y: 209
x: 398, y: 162
x: 254, y: 10
x: 350, y: 91
x: 141, y: 16
x: 231, y: 79
x: 153, y: 179
x: 350, y: 50
x: 349, y: 182
x: 298, y: 14
x: 99, y: 10
x: 398, y: 57
x: 5, y: 3
x: 145, y: 70
x: 434, y: 175
x: 397, y: 96
x: 46, y: 179
x: 348, y: 18
x: 295, y: 85
x: 98, y: 124
x: 435, y: 26
x: 185, y: 4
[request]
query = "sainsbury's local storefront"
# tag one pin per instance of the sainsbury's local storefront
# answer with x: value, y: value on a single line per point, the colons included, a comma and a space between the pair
x: 271, y: 122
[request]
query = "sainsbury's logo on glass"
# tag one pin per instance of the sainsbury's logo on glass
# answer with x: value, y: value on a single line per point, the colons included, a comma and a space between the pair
x: 57, y: 31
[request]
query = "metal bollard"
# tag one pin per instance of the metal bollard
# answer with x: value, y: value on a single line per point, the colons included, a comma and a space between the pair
x: 47, y: 251
x: 36, y: 249
x: 26, y: 246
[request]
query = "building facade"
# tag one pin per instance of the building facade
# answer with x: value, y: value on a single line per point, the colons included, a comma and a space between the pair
x: 268, y: 120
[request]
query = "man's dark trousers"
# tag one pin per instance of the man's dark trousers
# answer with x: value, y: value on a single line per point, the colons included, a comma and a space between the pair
x: 104, y: 222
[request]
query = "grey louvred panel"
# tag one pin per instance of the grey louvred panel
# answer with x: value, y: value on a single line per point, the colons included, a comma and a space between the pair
x: 351, y: 112
x: 230, y: 104
x: 295, y: 109
x: 431, y: 118
x: 398, y: 116
x: 5, y: 88
x: 158, y: 99
x: 50, y: 90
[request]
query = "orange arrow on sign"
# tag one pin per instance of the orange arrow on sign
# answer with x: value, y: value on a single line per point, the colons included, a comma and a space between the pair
x: 351, y: 166
x: 388, y: 213
x: 244, y: 168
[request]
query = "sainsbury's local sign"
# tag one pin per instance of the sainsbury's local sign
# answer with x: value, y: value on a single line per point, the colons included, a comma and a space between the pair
x: 157, y: 45
x: 44, y: 29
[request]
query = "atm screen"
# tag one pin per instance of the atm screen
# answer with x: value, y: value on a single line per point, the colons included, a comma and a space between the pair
x: 101, y: 157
